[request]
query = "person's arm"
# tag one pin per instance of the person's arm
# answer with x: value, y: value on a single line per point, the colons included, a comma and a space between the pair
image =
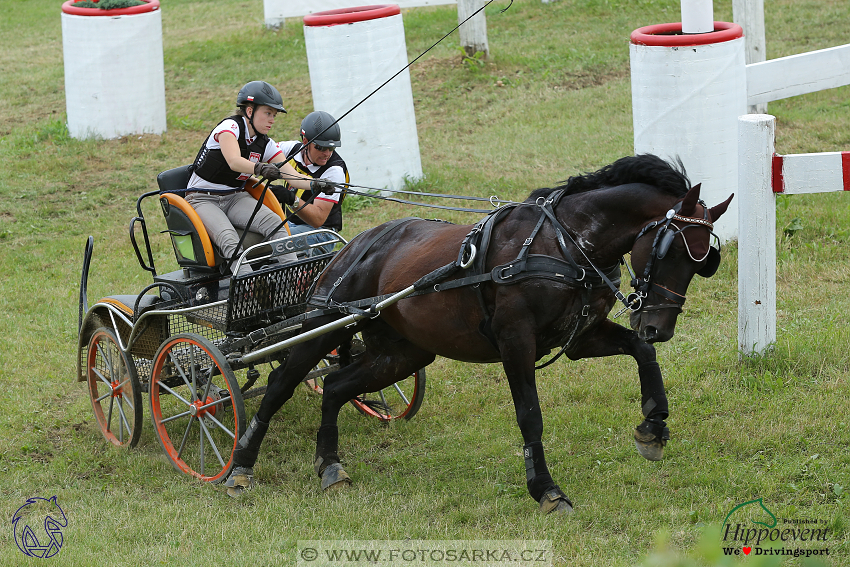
x: 316, y: 213
x: 294, y: 178
x: 230, y: 151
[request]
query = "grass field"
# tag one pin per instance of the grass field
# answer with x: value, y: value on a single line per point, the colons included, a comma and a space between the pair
x: 774, y: 427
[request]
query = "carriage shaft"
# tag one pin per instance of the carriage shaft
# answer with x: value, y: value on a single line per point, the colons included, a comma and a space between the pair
x: 318, y: 331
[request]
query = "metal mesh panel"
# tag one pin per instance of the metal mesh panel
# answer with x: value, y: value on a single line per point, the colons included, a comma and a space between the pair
x: 261, y: 297
x: 213, y: 317
x: 191, y: 323
x: 148, y: 338
x: 159, y: 328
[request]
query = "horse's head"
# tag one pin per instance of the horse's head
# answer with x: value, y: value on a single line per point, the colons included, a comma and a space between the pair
x: 671, y: 250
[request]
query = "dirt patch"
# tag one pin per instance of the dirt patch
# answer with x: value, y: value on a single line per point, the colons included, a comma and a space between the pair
x: 596, y: 78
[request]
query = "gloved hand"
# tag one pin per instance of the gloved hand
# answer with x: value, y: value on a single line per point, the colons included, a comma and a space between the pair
x: 267, y: 170
x: 322, y: 186
x: 285, y: 196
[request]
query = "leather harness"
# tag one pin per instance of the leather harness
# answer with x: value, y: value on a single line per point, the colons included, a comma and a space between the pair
x: 471, y: 262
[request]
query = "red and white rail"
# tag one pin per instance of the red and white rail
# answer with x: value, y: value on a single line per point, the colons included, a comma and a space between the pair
x: 762, y: 175
x: 811, y: 173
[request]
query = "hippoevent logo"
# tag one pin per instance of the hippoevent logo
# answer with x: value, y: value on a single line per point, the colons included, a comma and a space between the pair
x: 38, y: 527
x: 751, y: 528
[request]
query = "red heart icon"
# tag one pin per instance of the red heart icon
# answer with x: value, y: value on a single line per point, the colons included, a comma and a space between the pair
x: 747, y: 550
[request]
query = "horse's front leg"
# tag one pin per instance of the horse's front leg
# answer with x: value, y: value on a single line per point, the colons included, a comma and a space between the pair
x: 282, y: 382
x: 609, y: 339
x: 517, y: 349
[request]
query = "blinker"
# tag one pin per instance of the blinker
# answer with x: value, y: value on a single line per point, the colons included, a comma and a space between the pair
x: 666, y: 242
x: 711, y: 264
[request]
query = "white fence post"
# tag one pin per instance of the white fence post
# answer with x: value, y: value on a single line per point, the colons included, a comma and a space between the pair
x: 473, y: 34
x: 756, y: 235
x: 749, y: 14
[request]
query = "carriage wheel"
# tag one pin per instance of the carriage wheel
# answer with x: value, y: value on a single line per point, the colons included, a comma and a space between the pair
x: 401, y: 400
x: 114, y: 389
x: 196, y: 407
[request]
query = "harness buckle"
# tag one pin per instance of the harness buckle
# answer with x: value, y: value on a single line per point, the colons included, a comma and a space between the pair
x: 472, y: 252
x: 503, y: 270
x: 527, y: 242
x: 585, y: 311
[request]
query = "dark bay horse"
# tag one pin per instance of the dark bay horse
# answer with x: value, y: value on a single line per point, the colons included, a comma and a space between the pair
x: 538, y: 286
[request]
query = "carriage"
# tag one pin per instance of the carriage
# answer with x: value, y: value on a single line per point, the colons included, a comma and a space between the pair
x: 194, y: 339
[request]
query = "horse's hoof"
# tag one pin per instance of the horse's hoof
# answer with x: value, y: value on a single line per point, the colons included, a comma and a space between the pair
x: 334, y: 477
x: 555, y: 501
x: 240, y: 480
x: 649, y: 445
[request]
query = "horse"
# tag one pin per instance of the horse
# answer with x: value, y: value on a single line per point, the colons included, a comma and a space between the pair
x: 521, y: 296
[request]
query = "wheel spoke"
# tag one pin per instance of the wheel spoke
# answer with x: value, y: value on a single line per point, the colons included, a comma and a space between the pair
x: 104, y: 396
x: 176, y: 363
x: 109, y: 417
x: 201, y: 432
x: 185, y: 437
x: 123, y: 418
x: 214, y: 403
x: 102, y: 377
x: 212, y: 444
x: 176, y: 416
x: 386, y: 405
x: 400, y: 393
x: 173, y: 393
x: 222, y: 426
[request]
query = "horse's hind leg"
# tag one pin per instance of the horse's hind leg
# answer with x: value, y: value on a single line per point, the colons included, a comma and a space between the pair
x: 388, y: 359
x: 282, y: 382
x: 609, y: 339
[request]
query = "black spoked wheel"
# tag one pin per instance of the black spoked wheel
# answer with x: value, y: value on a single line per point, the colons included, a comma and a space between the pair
x: 196, y: 407
x: 114, y: 389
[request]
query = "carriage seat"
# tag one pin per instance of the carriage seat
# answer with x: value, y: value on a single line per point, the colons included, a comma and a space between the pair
x: 189, y: 238
x: 127, y: 303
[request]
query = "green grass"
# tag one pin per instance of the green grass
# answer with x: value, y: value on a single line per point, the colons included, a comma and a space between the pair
x: 553, y: 100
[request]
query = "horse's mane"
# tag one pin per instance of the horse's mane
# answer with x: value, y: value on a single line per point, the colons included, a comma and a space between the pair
x: 650, y: 169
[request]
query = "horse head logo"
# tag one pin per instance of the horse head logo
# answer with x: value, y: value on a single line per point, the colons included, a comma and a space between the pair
x: 755, y: 508
x: 38, y: 527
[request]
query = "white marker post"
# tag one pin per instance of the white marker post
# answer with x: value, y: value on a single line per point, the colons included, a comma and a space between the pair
x: 756, y: 235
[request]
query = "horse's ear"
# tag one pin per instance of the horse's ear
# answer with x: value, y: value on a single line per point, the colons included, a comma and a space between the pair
x: 716, y: 211
x: 689, y: 203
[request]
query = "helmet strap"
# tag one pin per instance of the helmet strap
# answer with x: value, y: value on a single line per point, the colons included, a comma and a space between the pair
x: 306, y: 145
x: 251, y: 118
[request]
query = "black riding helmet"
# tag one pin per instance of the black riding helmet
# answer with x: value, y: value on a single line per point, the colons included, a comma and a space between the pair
x: 314, y: 127
x: 260, y: 93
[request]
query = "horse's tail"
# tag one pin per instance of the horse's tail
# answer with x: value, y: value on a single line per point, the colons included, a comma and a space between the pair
x: 650, y: 169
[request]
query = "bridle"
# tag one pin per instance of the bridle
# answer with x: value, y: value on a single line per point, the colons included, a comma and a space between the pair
x: 667, y: 232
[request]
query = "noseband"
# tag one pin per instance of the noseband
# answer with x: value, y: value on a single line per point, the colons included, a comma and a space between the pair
x: 667, y: 232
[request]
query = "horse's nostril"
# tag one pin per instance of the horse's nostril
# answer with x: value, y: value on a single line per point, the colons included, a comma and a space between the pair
x: 649, y: 333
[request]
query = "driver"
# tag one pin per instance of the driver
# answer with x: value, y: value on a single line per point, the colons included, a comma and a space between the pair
x: 319, y: 160
x: 237, y: 147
